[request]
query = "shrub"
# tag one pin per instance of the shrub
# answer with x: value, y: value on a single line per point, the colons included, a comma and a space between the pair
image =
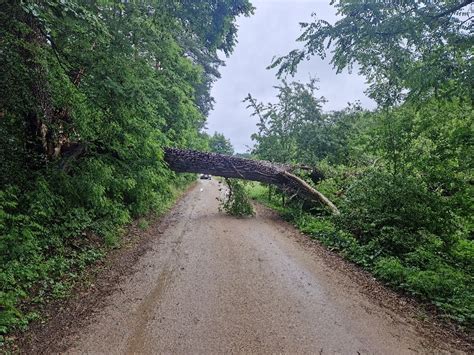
x: 391, y: 270
x: 395, y: 210
x: 463, y: 254
x: 236, y: 202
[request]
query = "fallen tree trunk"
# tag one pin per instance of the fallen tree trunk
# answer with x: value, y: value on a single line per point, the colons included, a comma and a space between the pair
x: 190, y: 161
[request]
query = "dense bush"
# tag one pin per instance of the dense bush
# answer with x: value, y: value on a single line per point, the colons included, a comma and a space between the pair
x: 397, y: 211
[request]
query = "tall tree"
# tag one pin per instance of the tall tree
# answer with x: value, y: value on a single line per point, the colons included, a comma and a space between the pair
x: 281, y: 125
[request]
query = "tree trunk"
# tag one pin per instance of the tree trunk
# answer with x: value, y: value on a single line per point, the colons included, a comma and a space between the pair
x: 190, y: 161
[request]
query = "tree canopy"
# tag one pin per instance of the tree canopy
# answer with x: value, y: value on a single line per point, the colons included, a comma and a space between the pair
x: 218, y: 143
x: 405, y: 49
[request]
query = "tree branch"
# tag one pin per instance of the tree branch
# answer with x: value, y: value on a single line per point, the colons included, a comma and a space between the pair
x: 190, y: 161
x: 453, y: 9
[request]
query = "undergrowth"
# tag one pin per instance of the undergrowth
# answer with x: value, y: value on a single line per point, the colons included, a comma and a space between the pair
x: 235, y: 201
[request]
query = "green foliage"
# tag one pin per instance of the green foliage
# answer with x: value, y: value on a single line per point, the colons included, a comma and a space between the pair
x: 235, y: 201
x: 445, y: 286
x: 281, y: 126
x: 295, y: 129
x: 218, y: 143
x: 398, y: 211
x: 402, y: 173
x: 423, y: 47
x: 91, y: 92
x: 391, y: 270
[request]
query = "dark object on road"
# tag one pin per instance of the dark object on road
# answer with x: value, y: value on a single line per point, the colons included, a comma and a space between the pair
x: 205, y: 177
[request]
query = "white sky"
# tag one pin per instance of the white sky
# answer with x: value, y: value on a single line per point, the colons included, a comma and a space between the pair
x: 270, y: 32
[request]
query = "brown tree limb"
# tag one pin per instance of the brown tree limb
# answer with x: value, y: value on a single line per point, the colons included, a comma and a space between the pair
x: 190, y: 161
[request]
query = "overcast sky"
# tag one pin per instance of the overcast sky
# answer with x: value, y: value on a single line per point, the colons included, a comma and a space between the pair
x: 270, y: 32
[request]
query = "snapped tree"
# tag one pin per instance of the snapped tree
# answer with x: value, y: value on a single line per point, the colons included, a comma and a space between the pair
x: 191, y: 161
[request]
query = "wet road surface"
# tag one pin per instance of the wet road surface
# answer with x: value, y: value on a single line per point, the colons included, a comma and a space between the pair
x: 212, y: 283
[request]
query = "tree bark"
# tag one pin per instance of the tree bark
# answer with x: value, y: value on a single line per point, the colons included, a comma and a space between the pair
x: 190, y: 161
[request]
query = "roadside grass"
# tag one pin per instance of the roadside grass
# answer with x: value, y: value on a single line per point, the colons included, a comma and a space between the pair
x: 444, y: 286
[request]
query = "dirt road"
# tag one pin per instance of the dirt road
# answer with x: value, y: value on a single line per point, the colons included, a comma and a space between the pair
x: 213, y: 284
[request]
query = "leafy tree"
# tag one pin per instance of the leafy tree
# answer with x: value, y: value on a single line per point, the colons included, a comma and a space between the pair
x: 405, y: 49
x: 402, y: 174
x: 208, y: 28
x: 281, y: 125
x: 295, y: 129
x: 218, y: 143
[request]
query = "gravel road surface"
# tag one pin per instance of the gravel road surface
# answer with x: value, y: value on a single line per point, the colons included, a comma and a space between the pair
x: 211, y: 283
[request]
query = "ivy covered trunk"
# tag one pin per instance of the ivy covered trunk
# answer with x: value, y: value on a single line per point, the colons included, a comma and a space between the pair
x: 191, y: 161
